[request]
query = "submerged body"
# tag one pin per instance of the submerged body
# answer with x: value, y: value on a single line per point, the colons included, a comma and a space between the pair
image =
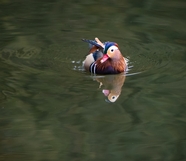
x: 104, y: 58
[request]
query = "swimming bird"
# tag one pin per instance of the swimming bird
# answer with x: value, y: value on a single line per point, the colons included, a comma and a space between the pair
x: 104, y: 58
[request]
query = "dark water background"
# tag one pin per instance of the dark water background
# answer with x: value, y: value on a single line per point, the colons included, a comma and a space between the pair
x: 52, y: 110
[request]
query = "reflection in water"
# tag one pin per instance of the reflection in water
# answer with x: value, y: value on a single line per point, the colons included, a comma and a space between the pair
x: 112, y: 85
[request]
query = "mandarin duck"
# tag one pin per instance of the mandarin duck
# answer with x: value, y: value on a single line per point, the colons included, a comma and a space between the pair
x: 104, y: 58
x: 112, y: 86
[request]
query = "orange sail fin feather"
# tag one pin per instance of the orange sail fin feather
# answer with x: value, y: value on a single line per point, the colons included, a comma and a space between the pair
x: 104, y: 58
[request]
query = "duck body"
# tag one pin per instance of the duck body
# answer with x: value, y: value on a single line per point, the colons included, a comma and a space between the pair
x: 104, y: 58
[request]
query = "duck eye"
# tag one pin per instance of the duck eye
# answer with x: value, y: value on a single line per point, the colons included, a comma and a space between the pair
x: 113, y: 97
x: 113, y: 48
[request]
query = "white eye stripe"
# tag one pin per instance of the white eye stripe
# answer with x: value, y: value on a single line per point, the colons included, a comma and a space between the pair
x: 113, y: 98
x: 112, y: 48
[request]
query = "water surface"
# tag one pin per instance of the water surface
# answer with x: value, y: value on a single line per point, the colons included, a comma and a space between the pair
x: 50, y: 109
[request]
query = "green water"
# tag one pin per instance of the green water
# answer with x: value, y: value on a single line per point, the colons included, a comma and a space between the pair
x: 50, y: 109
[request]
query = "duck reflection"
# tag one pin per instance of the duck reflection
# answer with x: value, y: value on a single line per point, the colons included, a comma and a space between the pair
x: 111, y: 85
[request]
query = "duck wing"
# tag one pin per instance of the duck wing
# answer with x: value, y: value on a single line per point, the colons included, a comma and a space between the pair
x: 93, y: 42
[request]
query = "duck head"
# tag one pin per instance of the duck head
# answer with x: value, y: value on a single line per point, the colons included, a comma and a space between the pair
x: 111, y: 51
